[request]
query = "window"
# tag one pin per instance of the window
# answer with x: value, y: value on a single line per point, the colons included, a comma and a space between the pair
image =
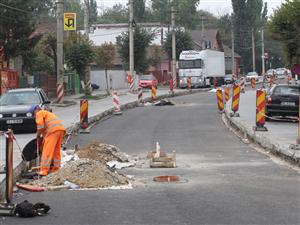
x: 189, y: 64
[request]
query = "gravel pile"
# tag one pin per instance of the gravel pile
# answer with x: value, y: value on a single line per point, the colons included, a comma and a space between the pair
x: 90, y: 170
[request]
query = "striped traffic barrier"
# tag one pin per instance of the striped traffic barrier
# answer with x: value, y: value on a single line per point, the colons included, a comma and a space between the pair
x: 89, y: 86
x: 242, y: 85
x: 60, y: 93
x: 116, y: 103
x: 140, y: 96
x: 132, y: 86
x: 253, y: 83
x: 260, y: 111
x: 236, y: 89
x: 227, y: 94
x: 189, y: 83
x: 171, y: 85
x: 174, y: 82
x: 288, y: 79
x: 153, y: 93
x: 215, y: 82
x: 84, y: 123
x: 271, y: 82
x: 220, y: 100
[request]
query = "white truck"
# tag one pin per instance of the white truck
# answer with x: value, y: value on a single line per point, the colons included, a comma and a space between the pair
x: 202, y: 67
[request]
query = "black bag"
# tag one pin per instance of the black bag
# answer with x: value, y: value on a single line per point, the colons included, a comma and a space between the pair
x: 27, y: 209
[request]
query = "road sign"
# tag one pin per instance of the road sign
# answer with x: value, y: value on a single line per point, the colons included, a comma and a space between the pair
x: 69, y: 21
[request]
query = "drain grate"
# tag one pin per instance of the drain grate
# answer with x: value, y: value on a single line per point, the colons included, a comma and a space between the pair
x: 166, y: 179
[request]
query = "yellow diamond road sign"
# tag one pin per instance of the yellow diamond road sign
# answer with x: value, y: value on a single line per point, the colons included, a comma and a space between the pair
x: 69, y: 21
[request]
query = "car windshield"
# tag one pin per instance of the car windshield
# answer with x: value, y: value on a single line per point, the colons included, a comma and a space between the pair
x: 147, y: 77
x: 252, y: 74
x: 287, y: 90
x: 20, y: 98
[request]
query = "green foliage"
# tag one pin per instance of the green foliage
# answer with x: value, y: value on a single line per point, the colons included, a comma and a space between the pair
x: 105, y: 55
x: 247, y: 16
x: 16, y: 26
x: 93, y: 11
x: 142, y: 39
x: 79, y: 54
x: 117, y: 14
x: 74, y: 6
x: 184, y: 41
x: 156, y: 55
x: 284, y: 26
x: 185, y: 11
x: 139, y: 10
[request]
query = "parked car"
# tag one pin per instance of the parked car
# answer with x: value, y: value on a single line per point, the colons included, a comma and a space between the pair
x: 228, y: 79
x: 147, y: 80
x: 15, y: 105
x: 251, y: 75
x: 283, y: 100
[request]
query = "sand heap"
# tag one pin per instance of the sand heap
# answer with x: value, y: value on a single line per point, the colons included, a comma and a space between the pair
x: 90, y: 170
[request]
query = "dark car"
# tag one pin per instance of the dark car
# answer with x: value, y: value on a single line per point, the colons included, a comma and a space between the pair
x: 15, y: 105
x: 283, y: 100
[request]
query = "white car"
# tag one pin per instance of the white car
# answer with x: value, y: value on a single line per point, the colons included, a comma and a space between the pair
x: 270, y: 72
x: 251, y: 75
x: 280, y: 72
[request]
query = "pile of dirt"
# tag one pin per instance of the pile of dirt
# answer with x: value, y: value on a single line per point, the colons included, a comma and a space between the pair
x: 89, y: 169
x: 85, y: 173
x: 102, y: 152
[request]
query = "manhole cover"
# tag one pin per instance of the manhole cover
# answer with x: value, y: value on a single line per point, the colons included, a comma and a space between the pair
x: 166, y: 179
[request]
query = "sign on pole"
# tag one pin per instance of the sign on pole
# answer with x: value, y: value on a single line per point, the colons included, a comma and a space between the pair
x: 69, y: 21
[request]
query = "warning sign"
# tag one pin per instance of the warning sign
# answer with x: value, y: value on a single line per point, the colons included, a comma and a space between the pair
x: 69, y: 21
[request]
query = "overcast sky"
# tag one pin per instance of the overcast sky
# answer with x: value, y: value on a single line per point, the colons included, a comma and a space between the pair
x: 216, y: 7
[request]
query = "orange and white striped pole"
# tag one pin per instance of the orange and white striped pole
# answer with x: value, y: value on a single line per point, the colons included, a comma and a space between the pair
x: 84, y: 123
x: 243, y: 85
x: 116, y: 103
x: 215, y: 82
x: 227, y: 94
x: 235, y: 100
x: 260, y: 111
x: 171, y: 84
x: 60, y: 93
x: 253, y: 83
x: 220, y: 100
x: 153, y: 93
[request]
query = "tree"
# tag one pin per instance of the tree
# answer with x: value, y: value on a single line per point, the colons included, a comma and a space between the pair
x: 185, y: 11
x: 248, y: 16
x: 105, y: 55
x: 17, y: 23
x: 93, y: 11
x: 139, y: 10
x: 184, y: 41
x: 75, y: 6
x: 79, y: 54
x: 142, y: 40
x: 284, y: 26
x: 117, y: 14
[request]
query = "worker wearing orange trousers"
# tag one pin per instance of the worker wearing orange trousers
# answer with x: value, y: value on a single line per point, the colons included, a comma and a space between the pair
x: 51, y: 129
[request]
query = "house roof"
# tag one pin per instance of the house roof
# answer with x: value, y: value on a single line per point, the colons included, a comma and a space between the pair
x: 44, y: 28
x: 227, y: 52
x: 211, y: 35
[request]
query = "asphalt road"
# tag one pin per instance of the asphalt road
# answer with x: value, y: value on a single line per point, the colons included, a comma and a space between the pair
x: 224, y: 181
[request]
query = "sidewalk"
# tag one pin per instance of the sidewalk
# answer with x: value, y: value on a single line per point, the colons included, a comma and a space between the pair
x: 280, y: 137
x: 69, y: 114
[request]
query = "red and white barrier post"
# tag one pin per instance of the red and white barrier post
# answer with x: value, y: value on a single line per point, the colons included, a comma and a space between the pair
x: 242, y: 85
x: 60, y: 93
x: 140, y: 96
x: 117, y: 110
x: 220, y: 100
x: 260, y: 111
x: 171, y: 84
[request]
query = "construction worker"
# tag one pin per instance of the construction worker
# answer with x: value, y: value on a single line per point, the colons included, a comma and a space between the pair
x: 50, y: 128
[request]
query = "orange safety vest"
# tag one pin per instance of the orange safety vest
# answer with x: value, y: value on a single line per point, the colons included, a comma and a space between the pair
x: 48, y: 122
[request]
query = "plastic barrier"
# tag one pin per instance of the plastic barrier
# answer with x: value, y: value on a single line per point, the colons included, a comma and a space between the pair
x: 171, y: 84
x: 84, y: 113
x: 243, y: 85
x: 253, y: 83
x: 260, y: 111
x: 153, y: 93
x: 220, y: 100
x: 235, y: 100
x: 189, y: 83
x: 60, y: 93
x: 227, y: 94
x: 117, y: 110
x: 140, y: 95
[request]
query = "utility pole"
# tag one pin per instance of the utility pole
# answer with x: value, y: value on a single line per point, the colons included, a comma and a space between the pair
x: 253, y: 51
x: 173, y: 68
x: 232, y: 52
x: 59, y: 43
x: 86, y: 32
x: 203, y: 42
x: 131, y: 43
x: 262, y: 52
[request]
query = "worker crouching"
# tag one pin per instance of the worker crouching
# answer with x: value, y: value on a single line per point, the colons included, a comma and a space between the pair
x: 50, y: 128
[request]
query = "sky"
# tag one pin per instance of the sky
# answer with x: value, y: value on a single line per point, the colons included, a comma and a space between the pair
x: 216, y: 7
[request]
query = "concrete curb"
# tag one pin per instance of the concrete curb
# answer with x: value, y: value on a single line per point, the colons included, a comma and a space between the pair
x: 264, y: 140
x: 19, y: 169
